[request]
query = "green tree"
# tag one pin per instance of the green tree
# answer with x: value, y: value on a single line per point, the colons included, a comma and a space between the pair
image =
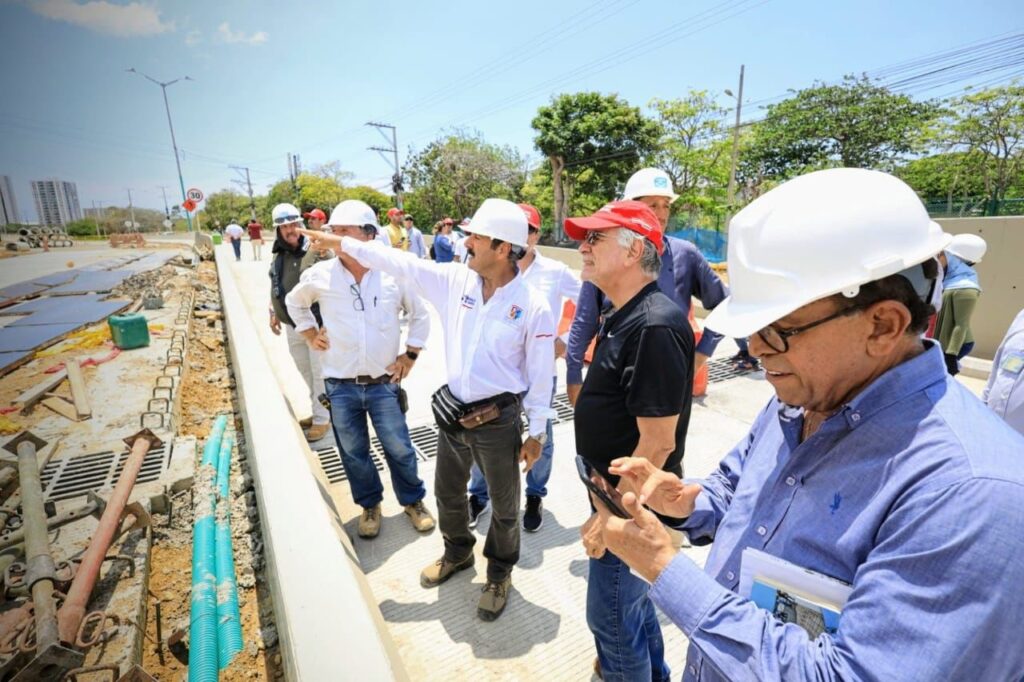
x: 593, y: 143
x: 944, y: 177
x: 853, y: 124
x: 455, y: 173
x: 224, y: 207
x: 989, y: 125
x: 86, y: 227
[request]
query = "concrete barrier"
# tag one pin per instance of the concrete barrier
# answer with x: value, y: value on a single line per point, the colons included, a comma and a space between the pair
x: 329, y: 625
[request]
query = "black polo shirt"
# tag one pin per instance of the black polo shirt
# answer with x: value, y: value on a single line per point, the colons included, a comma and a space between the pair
x: 642, y: 367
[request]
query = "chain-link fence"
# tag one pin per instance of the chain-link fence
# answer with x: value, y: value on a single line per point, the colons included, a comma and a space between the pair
x: 973, y: 207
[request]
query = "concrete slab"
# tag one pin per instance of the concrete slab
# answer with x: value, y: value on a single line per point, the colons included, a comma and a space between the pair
x: 92, y: 281
x: 68, y: 309
x: 13, y: 338
x: 13, y: 292
x: 9, y: 358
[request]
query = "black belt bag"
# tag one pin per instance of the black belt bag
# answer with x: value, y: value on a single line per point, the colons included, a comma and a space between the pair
x: 452, y: 415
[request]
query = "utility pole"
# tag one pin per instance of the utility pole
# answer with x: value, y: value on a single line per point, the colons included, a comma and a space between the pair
x: 735, y: 140
x: 174, y: 143
x: 396, y: 178
x: 293, y: 172
x: 96, y: 212
x: 248, y: 185
x: 167, y: 210
x: 131, y: 211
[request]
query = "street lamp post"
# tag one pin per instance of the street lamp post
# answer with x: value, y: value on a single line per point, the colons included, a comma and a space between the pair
x: 174, y: 144
x: 735, y: 140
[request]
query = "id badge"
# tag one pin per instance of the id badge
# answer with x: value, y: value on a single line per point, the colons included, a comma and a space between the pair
x: 1013, y: 363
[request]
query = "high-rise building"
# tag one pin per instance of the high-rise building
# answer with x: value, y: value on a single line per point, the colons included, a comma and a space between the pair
x: 8, y: 202
x: 56, y: 202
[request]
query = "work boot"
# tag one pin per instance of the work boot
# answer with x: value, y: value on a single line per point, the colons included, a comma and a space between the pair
x: 316, y: 432
x: 476, y: 508
x: 419, y: 516
x: 306, y: 423
x: 369, y: 522
x: 533, y: 517
x: 442, y: 569
x: 597, y: 668
x: 492, y: 601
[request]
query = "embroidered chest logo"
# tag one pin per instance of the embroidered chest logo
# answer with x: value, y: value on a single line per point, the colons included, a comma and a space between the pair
x: 515, y: 313
x: 837, y: 500
x: 468, y: 301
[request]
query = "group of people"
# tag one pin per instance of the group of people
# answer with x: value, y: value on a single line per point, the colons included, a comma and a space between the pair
x: 870, y: 465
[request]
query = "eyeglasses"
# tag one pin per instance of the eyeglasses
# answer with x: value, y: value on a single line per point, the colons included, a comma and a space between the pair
x: 281, y: 220
x: 778, y: 339
x: 593, y: 237
x: 357, y: 303
x: 533, y: 230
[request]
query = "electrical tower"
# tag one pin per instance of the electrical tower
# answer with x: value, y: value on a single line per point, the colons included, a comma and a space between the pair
x: 396, y: 177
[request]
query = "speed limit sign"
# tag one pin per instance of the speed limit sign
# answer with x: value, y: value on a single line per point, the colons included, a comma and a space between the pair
x: 195, y: 194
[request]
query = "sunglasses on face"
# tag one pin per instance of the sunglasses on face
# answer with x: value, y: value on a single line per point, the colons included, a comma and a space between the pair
x: 284, y: 219
x: 593, y: 237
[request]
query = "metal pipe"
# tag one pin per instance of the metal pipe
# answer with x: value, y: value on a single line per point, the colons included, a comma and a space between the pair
x: 71, y: 613
x: 37, y: 546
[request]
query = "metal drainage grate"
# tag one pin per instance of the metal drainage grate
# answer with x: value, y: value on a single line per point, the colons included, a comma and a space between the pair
x: 720, y: 370
x: 424, y: 440
x: 74, y: 476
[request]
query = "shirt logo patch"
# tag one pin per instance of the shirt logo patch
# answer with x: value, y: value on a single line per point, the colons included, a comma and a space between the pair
x: 468, y: 301
x: 837, y: 499
x: 515, y: 313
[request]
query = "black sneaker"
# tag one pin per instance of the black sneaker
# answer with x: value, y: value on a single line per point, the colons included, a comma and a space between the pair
x: 533, y: 518
x: 744, y: 362
x: 476, y: 508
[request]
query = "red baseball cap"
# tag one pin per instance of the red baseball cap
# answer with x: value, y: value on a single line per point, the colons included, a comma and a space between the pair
x: 316, y: 214
x: 532, y: 215
x: 394, y: 212
x: 632, y: 215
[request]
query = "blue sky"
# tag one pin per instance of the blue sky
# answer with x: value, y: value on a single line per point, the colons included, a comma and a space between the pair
x: 272, y: 78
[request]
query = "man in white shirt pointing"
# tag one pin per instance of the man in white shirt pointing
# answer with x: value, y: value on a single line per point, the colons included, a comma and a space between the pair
x: 363, y: 364
x: 499, y: 347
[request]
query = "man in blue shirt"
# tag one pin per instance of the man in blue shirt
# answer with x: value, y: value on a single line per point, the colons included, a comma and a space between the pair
x: 870, y: 465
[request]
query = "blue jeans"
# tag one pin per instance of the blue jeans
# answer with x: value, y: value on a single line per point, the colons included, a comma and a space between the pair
x: 236, y: 244
x: 536, y: 478
x: 623, y: 621
x: 350, y: 404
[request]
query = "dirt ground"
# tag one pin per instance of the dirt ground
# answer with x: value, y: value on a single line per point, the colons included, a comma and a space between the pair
x: 207, y: 390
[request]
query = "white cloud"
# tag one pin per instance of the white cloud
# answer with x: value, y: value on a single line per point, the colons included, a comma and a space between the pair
x: 125, y: 21
x: 233, y: 37
x: 193, y: 38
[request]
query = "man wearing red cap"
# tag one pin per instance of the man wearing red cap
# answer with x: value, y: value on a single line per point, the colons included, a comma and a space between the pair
x: 396, y: 233
x: 630, y: 403
x: 316, y: 219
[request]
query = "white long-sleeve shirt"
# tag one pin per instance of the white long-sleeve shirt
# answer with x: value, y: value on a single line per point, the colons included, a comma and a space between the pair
x: 553, y: 280
x: 503, y: 345
x: 361, y: 342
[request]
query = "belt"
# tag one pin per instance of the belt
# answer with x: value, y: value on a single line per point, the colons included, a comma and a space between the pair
x: 502, y: 400
x: 365, y: 380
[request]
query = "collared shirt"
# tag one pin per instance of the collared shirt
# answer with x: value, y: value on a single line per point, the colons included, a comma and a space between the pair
x: 443, y: 249
x: 234, y: 232
x: 416, y: 243
x: 1004, y: 392
x: 397, y: 236
x: 362, y: 330
x: 554, y: 280
x: 503, y: 345
x: 913, y: 493
x: 684, y: 273
x: 959, y: 275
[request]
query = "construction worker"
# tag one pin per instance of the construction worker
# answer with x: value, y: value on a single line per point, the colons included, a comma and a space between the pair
x: 870, y: 466
x: 630, y: 405
x: 684, y: 273
x: 316, y: 219
x: 499, y: 350
x: 960, y: 293
x: 395, y: 232
x: 359, y: 347
x: 291, y: 257
x: 556, y: 282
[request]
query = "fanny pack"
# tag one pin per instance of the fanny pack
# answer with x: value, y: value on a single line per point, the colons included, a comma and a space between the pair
x: 452, y: 415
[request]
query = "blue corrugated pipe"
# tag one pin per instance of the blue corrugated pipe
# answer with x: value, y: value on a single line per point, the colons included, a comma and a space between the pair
x: 229, y: 622
x: 202, y: 633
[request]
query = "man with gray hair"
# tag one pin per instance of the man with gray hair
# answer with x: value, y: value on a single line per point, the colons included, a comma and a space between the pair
x: 630, y: 405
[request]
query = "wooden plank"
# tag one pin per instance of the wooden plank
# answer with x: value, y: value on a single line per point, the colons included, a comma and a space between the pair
x: 61, y: 407
x: 79, y: 391
x: 32, y: 395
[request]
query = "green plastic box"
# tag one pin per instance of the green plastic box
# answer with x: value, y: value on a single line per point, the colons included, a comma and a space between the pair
x: 216, y: 237
x: 129, y: 331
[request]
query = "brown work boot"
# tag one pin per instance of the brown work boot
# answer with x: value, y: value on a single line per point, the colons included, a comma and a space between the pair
x: 492, y: 601
x: 442, y: 569
x: 316, y: 432
x: 306, y: 423
x: 369, y: 522
x: 597, y: 668
x: 419, y: 516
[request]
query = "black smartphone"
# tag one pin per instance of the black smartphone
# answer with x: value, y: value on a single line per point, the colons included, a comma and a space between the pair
x: 604, y: 490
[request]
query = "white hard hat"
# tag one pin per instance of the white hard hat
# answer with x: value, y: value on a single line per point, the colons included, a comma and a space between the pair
x: 968, y: 247
x: 649, y: 182
x: 353, y: 212
x: 286, y: 214
x: 500, y: 219
x: 820, y: 234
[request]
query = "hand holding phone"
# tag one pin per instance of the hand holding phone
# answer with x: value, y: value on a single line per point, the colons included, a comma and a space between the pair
x: 601, y: 487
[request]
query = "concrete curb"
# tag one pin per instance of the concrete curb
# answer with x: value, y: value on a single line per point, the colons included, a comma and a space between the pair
x: 330, y: 627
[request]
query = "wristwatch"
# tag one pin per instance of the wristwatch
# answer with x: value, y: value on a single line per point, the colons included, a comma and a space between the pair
x: 541, y: 437
x: 411, y: 355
